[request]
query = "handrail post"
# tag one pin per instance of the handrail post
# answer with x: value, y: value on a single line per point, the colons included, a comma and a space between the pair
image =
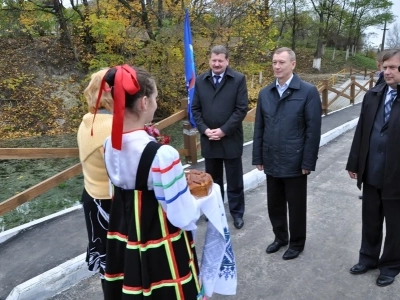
x: 352, y: 90
x: 371, y: 80
x: 365, y: 72
x: 190, y: 142
x: 325, y: 97
x: 189, y: 137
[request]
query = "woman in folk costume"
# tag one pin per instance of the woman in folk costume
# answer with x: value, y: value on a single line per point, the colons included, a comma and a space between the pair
x: 96, y: 194
x: 150, y: 249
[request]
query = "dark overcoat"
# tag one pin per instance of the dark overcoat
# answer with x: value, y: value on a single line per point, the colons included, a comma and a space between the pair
x: 287, y: 129
x: 359, y: 149
x: 224, y: 107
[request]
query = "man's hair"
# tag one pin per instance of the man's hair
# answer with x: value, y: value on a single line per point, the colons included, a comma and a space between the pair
x: 219, y: 49
x: 292, y: 55
x: 379, y: 56
x: 390, y: 53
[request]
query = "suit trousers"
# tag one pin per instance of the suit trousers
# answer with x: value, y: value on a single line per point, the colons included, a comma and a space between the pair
x: 284, y: 193
x: 374, y: 212
x: 234, y: 181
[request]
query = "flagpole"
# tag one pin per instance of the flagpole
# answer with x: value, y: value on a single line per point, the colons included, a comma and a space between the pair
x: 190, y: 70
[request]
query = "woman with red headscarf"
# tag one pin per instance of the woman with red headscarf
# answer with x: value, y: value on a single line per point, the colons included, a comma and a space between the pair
x: 150, y: 248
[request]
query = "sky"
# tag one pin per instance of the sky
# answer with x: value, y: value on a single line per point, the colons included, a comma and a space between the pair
x: 376, y: 40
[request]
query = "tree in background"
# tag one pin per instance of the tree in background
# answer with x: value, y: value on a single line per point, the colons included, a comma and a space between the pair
x: 393, y: 38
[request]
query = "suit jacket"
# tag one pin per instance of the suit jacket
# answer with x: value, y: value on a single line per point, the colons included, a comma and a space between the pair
x: 381, y: 78
x: 224, y: 107
x: 360, y: 147
x: 287, y: 130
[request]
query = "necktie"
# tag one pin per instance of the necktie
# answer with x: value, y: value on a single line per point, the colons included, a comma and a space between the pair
x: 216, y: 80
x: 389, y: 103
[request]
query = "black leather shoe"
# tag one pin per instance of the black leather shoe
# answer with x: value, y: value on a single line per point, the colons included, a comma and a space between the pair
x: 290, y: 254
x: 238, y: 223
x: 384, y: 280
x: 274, y: 247
x: 360, y: 269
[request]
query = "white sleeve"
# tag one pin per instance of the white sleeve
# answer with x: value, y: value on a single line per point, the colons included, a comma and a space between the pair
x: 171, y: 189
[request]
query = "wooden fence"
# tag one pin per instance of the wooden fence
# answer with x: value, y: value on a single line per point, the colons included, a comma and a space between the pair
x: 348, y: 91
x: 364, y: 72
x: 189, y: 151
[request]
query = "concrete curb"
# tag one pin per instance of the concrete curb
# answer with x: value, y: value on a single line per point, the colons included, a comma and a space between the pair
x: 73, y: 271
x: 5, y: 235
x: 334, y: 133
x: 53, y: 281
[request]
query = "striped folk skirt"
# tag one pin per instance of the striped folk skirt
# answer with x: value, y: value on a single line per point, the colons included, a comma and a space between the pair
x: 148, y: 257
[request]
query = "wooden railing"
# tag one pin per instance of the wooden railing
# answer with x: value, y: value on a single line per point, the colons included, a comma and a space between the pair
x: 363, y: 72
x: 189, y: 151
x: 334, y: 78
x: 348, y: 91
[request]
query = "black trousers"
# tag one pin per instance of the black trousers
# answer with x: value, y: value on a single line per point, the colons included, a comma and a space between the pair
x: 283, y: 193
x: 234, y: 181
x: 374, y: 211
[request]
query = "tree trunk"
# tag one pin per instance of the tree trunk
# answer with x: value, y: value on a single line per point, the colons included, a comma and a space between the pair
x: 145, y: 20
x: 319, y: 52
x: 294, y: 26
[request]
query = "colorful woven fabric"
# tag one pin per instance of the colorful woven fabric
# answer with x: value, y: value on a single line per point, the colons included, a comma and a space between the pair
x: 148, y: 257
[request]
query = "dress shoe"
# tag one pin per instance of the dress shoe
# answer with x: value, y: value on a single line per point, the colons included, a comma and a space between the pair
x: 360, y: 269
x: 238, y: 223
x: 274, y: 247
x: 290, y: 254
x: 384, y: 280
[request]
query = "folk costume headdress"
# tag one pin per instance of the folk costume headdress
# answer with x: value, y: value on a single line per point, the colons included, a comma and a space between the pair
x: 125, y: 82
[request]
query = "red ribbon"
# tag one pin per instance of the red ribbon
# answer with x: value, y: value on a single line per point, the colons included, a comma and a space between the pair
x: 125, y: 82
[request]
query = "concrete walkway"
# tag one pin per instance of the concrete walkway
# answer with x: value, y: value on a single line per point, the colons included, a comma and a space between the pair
x: 45, y: 246
x: 321, y: 271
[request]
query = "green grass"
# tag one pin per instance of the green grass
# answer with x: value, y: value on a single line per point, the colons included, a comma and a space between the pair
x: 362, y: 62
x: 19, y: 175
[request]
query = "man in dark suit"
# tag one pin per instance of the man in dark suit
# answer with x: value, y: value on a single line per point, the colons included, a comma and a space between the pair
x: 287, y: 133
x: 379, y: 62
x: 374, y: 160
x: 219, y: 106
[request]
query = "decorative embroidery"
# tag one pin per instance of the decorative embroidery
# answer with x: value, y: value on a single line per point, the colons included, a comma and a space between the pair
x: 228, y: 266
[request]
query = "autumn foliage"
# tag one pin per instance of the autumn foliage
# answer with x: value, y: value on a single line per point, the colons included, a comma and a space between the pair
x: 50, y: 51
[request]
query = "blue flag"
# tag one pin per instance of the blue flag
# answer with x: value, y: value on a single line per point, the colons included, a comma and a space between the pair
x: 190, y: 70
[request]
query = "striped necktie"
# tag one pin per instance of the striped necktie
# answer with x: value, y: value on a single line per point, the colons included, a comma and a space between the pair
x: 389, y: 103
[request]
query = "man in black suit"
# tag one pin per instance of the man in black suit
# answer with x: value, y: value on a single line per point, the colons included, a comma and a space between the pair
x: 379, y: 62
x: 374, y: 161
x: 219, y: 106
x: 287, y: 133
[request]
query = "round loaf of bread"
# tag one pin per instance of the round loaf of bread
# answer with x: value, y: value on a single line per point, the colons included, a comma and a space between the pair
x: 199, y: 182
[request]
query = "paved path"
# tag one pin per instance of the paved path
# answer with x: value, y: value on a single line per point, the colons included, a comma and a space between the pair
x: 46, y: 245
x: 342, y: 101
x: 321, y: 271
